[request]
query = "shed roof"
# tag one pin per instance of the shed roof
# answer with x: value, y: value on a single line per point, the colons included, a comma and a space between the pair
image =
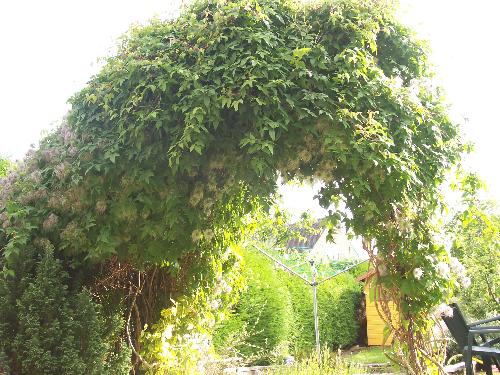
x: 366, y: 275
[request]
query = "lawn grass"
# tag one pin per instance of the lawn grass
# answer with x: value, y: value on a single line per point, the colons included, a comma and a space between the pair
x: 367, y: 356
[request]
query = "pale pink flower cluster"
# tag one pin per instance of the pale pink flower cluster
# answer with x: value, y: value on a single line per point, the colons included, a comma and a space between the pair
x: 50, y: 222
x: 67, y: 134
x: 61, y: 171
x: 7, y: 187
x: 196, y: 195
x: 33, y: 196
x: 4, y: 220
x: 72, y: 151
x: 50, y: 155
x: 36, y: 176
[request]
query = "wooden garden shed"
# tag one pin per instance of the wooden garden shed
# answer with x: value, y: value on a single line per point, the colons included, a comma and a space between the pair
x: 375, y: 326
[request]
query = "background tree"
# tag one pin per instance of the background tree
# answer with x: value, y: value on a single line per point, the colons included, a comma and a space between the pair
x: 476, y: 233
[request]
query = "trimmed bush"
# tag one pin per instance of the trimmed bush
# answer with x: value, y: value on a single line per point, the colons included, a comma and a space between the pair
x: 277, y: 309
x: 337, y: 303
x: 262, y: 319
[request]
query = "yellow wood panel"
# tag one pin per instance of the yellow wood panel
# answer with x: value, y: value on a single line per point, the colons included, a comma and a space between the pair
x: 376, y: 326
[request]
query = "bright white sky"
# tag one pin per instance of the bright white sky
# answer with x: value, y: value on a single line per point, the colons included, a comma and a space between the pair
x: 50, y: 49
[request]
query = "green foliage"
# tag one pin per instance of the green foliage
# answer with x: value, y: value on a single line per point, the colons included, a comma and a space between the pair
x: 338, y: 301
x: 275, y: 313
x: 273, y: 227
x: 4, y: 166
x: 263, y: 314
x: 179, y: 342
x: 476, y: 232
x: 186, y: 129
x: 55, y: 332
x: 369, y: 355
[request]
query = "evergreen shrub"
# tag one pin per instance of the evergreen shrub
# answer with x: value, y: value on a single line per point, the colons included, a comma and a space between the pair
x: 338, y: 300
x: 49, y: 331
x: 260, y: 324
x: 275, y: 314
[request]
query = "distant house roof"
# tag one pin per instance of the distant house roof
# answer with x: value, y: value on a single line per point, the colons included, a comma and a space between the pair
x: 308, y: 240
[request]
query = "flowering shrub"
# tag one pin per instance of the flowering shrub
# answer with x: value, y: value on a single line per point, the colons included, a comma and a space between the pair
x: 186, y: 129
x: 180, y: 342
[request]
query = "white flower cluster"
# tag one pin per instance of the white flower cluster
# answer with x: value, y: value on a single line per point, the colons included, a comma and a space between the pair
x: 196, y: 235
x: 445, y: 271
x: 222, y: 287
x: 418, y: 273
x: 443, y: 310
x: 215, y: 304
x: 460, y: 271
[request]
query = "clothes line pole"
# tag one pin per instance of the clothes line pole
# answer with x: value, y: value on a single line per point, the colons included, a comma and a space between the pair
x: 314, y: 285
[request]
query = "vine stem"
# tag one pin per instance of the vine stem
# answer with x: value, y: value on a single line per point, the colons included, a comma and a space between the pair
x: 127, y: 327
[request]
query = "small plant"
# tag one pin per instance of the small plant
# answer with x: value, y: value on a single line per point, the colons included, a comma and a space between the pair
x: 329, y: 364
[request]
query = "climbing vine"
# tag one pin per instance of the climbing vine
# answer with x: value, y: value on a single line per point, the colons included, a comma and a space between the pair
x: 185, y: 131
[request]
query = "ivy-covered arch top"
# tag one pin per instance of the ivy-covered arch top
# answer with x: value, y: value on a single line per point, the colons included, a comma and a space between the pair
x: 188, y: 127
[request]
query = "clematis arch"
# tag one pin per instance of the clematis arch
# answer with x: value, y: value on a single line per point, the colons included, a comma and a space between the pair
x: 185, y: 131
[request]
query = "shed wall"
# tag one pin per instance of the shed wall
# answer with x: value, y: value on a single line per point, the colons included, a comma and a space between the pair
x: 375, y: 325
